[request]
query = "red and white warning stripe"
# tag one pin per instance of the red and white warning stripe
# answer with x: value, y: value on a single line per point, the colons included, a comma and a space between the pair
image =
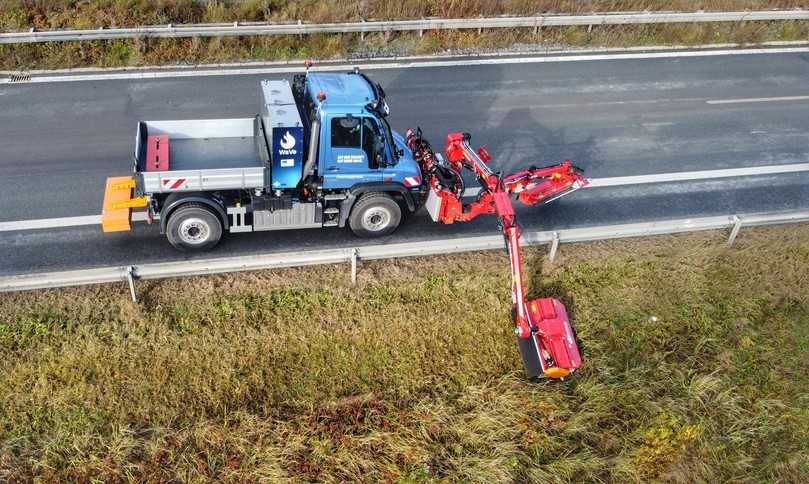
x: 175, y: 183
x: 412, y: 181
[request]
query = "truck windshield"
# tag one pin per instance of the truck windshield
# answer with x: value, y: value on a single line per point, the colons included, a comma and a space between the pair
x: 389, y: 136
x: 373, y: 143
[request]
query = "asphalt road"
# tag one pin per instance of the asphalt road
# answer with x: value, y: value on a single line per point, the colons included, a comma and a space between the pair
x: 59, y: 141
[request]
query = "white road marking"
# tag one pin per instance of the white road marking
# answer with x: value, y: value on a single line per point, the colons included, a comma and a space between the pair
x: 48, y: 223
x: 61, y: 222
x: 697, y: 175
x: 657, y: 125
x: 51, y: 223
x: 617, y: 181
x: 346, y: 61
x: 508, y: 108
x: 405, y: 63
x: 757, y: 100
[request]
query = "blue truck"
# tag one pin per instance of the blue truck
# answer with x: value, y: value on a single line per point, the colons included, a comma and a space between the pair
x: 319, y: 154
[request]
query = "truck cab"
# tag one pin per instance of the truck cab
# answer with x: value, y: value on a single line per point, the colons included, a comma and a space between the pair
x: 357, y: 145
x: 320, y: 153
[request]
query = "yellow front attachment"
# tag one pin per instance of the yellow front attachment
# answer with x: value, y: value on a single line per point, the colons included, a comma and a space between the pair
x: 118, y: 203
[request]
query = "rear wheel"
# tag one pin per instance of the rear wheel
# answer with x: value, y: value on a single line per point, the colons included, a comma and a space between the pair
x: 193, y: 226
x: 375, y: 215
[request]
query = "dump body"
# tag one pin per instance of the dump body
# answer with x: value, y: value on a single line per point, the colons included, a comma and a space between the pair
x: 207, y: 155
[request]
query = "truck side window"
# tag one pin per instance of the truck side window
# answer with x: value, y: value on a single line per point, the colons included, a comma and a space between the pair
x: 345, y: 133
x: 372, y: 143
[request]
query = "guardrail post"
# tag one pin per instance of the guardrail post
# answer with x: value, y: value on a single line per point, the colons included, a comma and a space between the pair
x: 130, y: 279
x: 354, y: 254
x: 554, y: 247
x: 362, y: 33
x: 737, y: 225
x: 421, y: 31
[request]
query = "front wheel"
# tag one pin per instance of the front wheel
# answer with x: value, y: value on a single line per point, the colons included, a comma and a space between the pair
x: 375, y: 215
x: 193, y: 227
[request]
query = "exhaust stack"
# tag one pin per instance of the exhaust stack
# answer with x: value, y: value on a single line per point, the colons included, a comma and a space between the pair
x: 314, y: 138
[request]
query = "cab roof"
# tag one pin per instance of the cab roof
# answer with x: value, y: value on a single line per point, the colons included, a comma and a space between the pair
x: 350, y: 92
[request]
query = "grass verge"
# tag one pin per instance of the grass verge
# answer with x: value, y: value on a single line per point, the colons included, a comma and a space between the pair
x: 413, y: 375
x: 16, y: 15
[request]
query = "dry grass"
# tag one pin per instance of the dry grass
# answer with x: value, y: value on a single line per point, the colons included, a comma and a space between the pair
x: 24, y: 14
x: 414, y: 376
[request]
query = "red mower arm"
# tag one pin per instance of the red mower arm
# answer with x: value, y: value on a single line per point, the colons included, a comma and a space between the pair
x: 546, y: 339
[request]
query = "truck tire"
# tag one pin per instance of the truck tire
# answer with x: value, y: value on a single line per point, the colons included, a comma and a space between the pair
x: 375, y: 215
x: 193, y: 227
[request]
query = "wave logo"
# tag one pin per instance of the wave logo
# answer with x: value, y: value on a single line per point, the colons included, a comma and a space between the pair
x: 288, y: 141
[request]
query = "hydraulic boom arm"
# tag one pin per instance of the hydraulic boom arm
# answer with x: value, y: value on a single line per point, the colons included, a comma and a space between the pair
x: 545, y: 338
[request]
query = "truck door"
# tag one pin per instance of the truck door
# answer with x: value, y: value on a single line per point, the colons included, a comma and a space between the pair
x: 350, y: 157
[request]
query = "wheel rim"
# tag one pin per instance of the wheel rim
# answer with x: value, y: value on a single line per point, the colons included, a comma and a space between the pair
x: 376, y: 219
x: 194, y: 231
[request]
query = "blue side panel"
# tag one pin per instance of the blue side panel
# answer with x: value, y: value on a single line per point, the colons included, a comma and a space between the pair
x: 287, y: 156
x: 347, y: 167
x: 349, y: 159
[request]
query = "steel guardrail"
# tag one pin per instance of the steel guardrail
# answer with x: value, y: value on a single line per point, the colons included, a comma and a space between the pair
x: 186, y: 268
x: 420, y: 25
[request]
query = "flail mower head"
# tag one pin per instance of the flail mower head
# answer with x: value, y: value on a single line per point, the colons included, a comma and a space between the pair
x: 551, y: 349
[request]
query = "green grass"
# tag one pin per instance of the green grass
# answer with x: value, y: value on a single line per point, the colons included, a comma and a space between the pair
x: 17, y: 15
x: 695, y: 369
